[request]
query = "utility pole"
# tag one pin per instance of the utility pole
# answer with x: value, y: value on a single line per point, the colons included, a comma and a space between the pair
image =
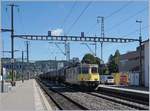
x: 67, y: 51
x: 27, y: 49
x: 22, y: 65
x: 12, y: 41
x: 102, y: 33
x: 56, y: 68
x: 2, y: 84
x: 95, y: 48
x: 140, y: 54
x: 1, y: 66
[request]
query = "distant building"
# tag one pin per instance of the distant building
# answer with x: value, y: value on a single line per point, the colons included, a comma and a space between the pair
x: 74, y: 60
x: 129, y: 62
x: 44, y: 66
x: 19, y: 68
x: 32, y: 68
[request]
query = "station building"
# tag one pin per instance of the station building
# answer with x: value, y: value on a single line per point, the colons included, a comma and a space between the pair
x: 129, y: 62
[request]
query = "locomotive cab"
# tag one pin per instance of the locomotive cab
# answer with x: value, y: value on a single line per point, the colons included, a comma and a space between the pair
x: 88, y: 74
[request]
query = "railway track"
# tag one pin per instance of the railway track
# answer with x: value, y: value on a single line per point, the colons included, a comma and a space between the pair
x: 61, y: 101
x: 126, y: 96
x: 89, y: 93
x: 121, y: 99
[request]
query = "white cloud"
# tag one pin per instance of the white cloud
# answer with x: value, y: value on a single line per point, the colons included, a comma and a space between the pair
x: 57, y: 32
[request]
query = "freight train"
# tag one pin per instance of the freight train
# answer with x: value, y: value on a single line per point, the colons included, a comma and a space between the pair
x: 79, y: 74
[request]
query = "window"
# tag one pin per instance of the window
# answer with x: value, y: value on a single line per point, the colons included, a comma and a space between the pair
x: 110, y: 77
x: 94, y: 70
x: 84, y: 70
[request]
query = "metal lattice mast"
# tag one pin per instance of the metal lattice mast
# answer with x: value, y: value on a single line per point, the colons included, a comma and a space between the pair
x: 12, y: 41
x: 102, y: 33
x: 140, y: 54
x: 95, y: 47
x: 27, y: 49
x: 67, y: 50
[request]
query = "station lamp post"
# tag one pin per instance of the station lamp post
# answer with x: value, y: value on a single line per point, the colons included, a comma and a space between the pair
x: 140, y: 56
x: 22, y: 58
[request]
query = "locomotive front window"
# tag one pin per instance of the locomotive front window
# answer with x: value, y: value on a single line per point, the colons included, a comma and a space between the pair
x: 110, y: 77
x: 94, y: 70
x: 84, y: 70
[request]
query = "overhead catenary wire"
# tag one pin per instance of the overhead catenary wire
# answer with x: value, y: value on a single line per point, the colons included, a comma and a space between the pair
x: 118, y: 10
x: 7, y: 15
x: 91, y: 28
x: 21, y: 20
x: 145, y: 27
x: 20, y: 16
x: 76, y: 20
x: 86, y: 44
x: 126, y: 19
x: 113, y: 13
x: 69, y: 14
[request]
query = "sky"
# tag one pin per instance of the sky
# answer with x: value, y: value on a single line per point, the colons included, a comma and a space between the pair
x: 39, y: 17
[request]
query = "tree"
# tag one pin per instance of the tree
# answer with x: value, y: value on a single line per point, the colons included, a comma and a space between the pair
x: 117, y: 57
x: 110, y: 58
x: 105, y: 70
x: 113, y: 62
x: 90, y: 59
x: 112, y: 67
x: 98, y: 60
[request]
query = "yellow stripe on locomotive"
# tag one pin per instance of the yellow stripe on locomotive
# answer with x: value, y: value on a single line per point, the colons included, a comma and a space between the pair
x: 88, y: 77
x: 88, y: 73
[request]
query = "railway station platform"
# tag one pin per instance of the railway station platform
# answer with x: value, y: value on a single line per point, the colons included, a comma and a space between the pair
x: 129, y: 92
x: 134, y: 88
x: 126, y: 89
x: 26, y: 96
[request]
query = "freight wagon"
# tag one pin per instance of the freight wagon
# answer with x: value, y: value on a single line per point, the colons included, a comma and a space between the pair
x: 80, y: 74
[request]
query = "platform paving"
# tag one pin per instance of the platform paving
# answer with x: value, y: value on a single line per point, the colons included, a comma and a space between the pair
x: 26, y: 96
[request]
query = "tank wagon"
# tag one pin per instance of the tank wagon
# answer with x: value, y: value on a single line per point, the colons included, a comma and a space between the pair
x: 80, y: 74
